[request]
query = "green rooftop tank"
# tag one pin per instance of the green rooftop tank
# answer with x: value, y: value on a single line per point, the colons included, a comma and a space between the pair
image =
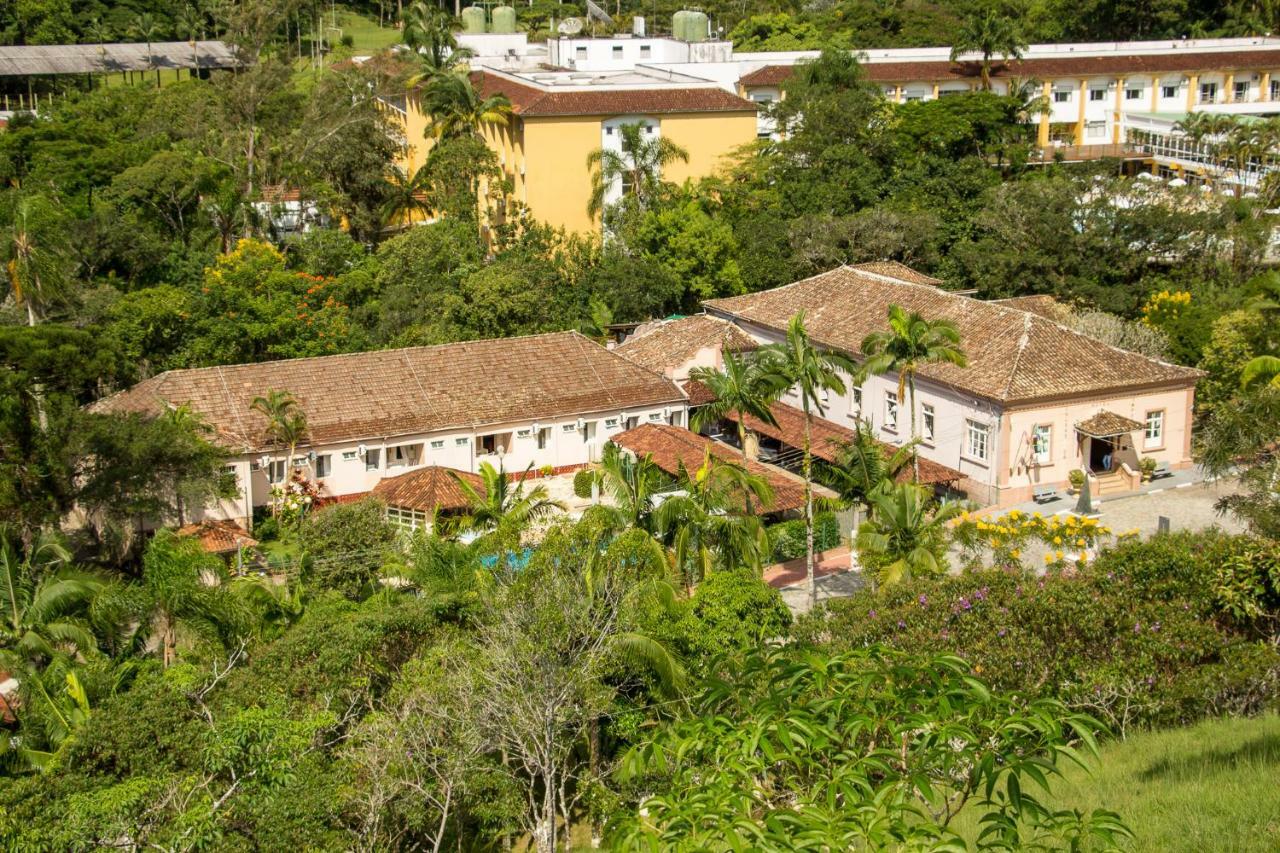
x: 678, y: 22
x: 473, y: 20
x: 504, y: 20
x: 695, y: 26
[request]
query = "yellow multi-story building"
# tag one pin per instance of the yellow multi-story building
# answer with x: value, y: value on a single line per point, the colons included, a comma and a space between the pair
x: 560, y: 117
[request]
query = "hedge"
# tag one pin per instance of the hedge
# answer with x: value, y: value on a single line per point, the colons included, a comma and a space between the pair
x: 787, y: 538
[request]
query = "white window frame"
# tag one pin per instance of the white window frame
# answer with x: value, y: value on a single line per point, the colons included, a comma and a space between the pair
x: 855, y: 402
x: 276, y: 472
x: 1097, y: 95
x: 1133, y: 94
x: 543, y: 437
x: 610, y: 423
x: 1062, y: 96
x: 1042, y: 453
x: 928, y: 422
x: 461, y: 442
x: 1208, y: 93
x: 349, y: 455
x: 977, y: 440
x: 891, y: 411
x: 1240, y: 91
x: 373, y: 459
x: 323, y: 466
x: 437, y: 444
x: 1153, y: 429
x: 569, y: 428
x: 1169, y: 90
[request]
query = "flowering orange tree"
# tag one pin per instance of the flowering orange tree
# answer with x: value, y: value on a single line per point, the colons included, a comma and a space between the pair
x: 1003, y: 541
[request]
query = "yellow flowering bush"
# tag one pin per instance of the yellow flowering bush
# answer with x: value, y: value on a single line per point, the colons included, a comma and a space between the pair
x: 1001, y: 540
x: 1165, y: 306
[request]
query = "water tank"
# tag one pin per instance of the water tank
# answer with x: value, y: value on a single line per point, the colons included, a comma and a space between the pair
x: 695, y: 27
x: 678, y: 21
x: 473, y: 20
x: 504, y: 20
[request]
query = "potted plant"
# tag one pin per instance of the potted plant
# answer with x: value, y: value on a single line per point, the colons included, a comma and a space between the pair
x: 1148, y: 467
x: 1076, y: 478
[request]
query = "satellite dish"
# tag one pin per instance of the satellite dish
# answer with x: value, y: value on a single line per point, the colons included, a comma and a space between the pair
x: 570, y: 27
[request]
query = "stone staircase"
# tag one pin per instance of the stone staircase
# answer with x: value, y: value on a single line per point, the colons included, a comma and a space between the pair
x: 1111, y: 483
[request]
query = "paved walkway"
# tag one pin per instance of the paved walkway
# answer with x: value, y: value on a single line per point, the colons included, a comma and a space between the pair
x: 831, y: 576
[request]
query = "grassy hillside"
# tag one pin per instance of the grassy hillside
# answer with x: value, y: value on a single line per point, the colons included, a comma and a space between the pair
x: 1209, y: 787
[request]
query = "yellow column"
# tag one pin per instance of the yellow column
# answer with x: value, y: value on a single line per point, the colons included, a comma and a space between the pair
x: 897, y: 94
x: 1115, y: 126
x: 1084, y: 101
x: 1231, y: 87
x: 1193, y: 83
x: 1155, y: 94
x: 1264, y: 91
x: 935, y: 91
x: 1042, y: 136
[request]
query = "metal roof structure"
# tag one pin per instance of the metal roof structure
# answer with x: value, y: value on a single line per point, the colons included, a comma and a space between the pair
x: 41, y: 59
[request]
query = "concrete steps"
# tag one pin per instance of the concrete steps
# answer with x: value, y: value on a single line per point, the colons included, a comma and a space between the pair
x: 1112, y: 484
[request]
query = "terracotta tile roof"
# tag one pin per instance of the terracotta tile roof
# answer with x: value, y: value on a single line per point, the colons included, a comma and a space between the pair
x: 698, y: 393
x: 1014, y: 356
x: 410, y: 391
x: 531, y: 101
x: 898, y: 271
x: 1042, y: 305
x: 428, y: 488
x: 219, y: 537
x: 670, y: 446
x: 1046, y: 68
x: 826, y: 439
x: 1106, y: 424
x: 667, y: 344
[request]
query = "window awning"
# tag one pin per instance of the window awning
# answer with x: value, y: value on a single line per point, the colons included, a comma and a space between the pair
x: 1107, y: 425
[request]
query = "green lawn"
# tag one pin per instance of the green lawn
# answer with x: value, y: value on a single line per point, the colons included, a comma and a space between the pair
x: 367, y: 35
x: 1211, y: 788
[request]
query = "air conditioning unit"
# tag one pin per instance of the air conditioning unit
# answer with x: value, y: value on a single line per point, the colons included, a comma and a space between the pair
x: 666, y: 411
x: 537, y: 427
x: 1256, y: 77
x: 363, y: 450
x: 581, y: 424
x: 264, y: 461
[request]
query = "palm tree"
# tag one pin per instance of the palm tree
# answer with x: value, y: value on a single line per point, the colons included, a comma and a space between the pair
x: 910, y: 342
x: 501, y: 510
x: 286, y: 422
x: 906, y: 537
x: 145, y: 27
x: 188, y: 598
x: 406, y: 196
x: 637, y: 164
x: 740, y: 387
x: 989, y: 33
x: 101, y: 34
x: 428, y: 31
x: 631, y: 483
x: 864, y: 468
x: 1263, y: 369
x: 191, y: 23
x: 37, y: 258
x: 46, y: 605
x: 230, y: 213
x: 809, y: 370
x: 705, y: 523
x: 457, y: 110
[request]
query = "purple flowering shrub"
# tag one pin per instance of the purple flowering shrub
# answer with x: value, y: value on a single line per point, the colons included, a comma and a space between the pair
x: 1139, y: 637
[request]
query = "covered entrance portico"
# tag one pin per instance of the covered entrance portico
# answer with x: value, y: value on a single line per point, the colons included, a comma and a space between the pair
x: 1107, y: 451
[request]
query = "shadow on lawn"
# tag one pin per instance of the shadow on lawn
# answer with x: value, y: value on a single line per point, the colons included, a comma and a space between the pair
x: 1263, y: 750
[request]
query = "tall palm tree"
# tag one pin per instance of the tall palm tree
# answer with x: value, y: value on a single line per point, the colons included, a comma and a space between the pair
x: 189, y: 600
x: 907, y: 536
x: 910, y: 342
x: 46, y: 605
x: 638, y: 165
x: 864, y: 468
x: 458, y: 110
x: 631, y: 483
x: 500, y: 509
x: 705, y: 523
x: 101, y: 34
x: 428, y: 31
x: 990, y: 33
x: 286, y: 422
x: 191, y: 23
x: 809, y: 370
x: 740, y: 387
x: 145, y: 27
x: 36, y: 255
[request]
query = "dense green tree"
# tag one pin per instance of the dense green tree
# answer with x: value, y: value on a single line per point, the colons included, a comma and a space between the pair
x: 990, y: 33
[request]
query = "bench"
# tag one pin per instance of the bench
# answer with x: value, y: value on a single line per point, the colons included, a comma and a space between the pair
x: 1161, y: 470
x: 1044, y: 494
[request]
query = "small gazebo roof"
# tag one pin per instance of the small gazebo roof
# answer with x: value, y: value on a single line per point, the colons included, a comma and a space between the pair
x: 219, y: 537
x: 428, y: 488
x: 1107, y: 424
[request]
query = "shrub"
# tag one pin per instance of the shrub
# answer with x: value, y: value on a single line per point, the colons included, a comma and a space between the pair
x: 787, y: 540
x: 737, y: 611
x: 1143, y: 636
x: 345, y: 545
x: 582, y: 481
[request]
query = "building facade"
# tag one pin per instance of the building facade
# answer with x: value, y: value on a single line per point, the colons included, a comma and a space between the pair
x: 1036, y: 401
x: 549, y: 402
